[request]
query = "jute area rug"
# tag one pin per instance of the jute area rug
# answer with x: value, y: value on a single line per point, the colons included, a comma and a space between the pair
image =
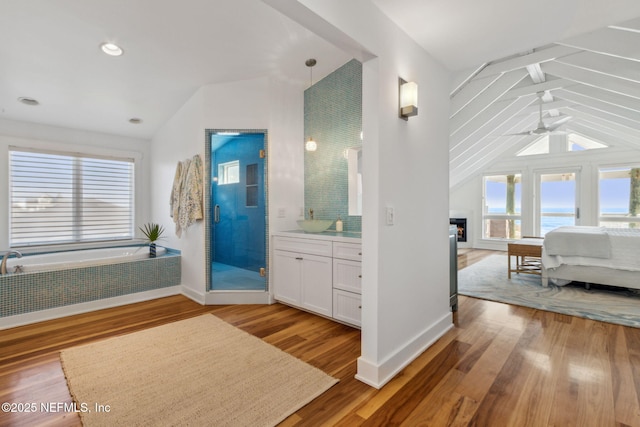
x: 488, y: 280
x: 200, y: 371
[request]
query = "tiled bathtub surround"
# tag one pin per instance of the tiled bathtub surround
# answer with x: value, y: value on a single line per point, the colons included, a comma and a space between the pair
x: 28, y: 292
x: 333, y: 117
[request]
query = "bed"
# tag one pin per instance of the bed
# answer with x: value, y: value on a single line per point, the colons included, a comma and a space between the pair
x: 606, y: 256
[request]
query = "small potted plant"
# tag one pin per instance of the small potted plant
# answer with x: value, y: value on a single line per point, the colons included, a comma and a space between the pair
x: 153, y: 232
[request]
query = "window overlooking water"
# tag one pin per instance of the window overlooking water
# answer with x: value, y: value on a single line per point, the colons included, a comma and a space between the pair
x: 69, y: 198
x: 502, y: 199
x: 558, y: 200
x: 619, y: 197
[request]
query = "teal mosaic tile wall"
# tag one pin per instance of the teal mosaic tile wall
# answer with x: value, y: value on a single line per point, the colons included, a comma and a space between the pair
x: 27, y: 292
x: 333, y: 117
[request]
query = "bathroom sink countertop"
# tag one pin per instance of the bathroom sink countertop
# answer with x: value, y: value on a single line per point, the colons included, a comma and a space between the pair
x: 344, y: 236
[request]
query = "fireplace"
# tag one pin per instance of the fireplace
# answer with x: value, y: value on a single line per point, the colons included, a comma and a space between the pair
x: 461, y: 224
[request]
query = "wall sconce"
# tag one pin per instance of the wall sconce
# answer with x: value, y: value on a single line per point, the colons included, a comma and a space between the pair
x: 408, y: 99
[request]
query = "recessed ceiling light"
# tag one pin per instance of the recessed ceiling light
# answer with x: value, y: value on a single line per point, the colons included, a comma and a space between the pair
x: 28, y: 101
x: 135, y: 121
x: 111, y: 49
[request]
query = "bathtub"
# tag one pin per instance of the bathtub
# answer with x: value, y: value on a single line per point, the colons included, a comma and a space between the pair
x: 79, y: 258
x: 56, y: 284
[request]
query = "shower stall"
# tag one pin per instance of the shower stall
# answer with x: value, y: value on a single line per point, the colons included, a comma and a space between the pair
x: 238, y: 220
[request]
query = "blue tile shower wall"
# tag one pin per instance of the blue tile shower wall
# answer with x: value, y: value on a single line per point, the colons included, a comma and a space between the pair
x: 207, y: 200
x: 333, y: 117
x: 28, y: 292
x: 238, y: 239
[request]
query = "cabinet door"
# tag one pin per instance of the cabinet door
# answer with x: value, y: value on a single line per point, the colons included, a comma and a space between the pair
x: 347, y: 307
x: 347, y: 275
x: 287, y: 271
x: 316, y: 284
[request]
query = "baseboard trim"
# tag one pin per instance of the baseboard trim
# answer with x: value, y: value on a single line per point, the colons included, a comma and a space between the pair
x: 238, y: 297
x: 70, y: 310
x: 194, y: 295
x: 377, y: 375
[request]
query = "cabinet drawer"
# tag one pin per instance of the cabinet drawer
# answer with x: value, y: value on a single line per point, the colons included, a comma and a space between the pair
x: 305, y: 246
x: 352, y: 251
x: 347, y: 275
x: 347, y: 307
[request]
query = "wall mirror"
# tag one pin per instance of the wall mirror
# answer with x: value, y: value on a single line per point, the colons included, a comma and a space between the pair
x: 354, y: 161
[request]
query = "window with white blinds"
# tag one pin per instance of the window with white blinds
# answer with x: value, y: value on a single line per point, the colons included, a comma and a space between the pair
x: 69, y: 198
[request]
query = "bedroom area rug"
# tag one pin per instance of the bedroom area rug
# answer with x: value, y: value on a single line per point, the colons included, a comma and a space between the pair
x: 488, y: 280
x: 198, y: 371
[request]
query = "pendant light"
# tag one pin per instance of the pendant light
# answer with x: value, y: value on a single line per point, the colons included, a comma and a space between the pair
x: 310, y: 145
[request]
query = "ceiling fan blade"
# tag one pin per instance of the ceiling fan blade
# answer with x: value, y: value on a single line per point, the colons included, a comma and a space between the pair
x: 543, y: 129
x: 555, y: 125
x: 528, y: 132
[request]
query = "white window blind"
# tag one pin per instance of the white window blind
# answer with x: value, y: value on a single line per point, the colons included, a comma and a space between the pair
x: 69, y: 198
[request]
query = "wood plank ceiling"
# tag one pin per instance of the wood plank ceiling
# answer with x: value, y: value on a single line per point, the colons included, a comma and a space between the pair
x: 593, y: 78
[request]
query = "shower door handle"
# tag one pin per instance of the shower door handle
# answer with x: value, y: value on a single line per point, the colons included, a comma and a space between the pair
x: 216, y: 214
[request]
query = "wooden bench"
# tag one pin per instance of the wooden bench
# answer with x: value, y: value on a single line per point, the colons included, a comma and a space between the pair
x: 528, y: 253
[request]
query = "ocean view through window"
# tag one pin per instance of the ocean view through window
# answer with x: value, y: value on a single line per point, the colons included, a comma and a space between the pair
x: 502, y: 198
x: 558, y: 200
x: 69, y: 198
x: 619, y: 197
x: 553, y: 200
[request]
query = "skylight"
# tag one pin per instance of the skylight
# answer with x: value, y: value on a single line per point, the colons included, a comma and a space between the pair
x: 560, y: 144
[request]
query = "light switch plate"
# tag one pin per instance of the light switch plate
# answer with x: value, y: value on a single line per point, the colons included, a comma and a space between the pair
x: 390, y: 215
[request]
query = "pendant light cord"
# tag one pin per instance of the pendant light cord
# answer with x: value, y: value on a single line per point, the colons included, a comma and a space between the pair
x: 311, y: 62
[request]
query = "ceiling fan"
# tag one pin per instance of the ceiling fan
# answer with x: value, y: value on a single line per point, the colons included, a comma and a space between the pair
x: 542, y: 128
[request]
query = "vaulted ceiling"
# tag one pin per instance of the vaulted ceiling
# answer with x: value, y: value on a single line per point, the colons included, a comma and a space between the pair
x: 172, y: 49
x: 590, y: 85
x: 51, y: 53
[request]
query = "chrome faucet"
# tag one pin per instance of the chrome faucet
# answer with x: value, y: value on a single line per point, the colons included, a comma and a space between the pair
x: 310, y: 213
x: 3, y: 266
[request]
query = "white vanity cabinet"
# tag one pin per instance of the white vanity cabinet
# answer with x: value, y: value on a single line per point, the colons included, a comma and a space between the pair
x: 318, y: 274
x: 347, y: 282
x: 302, y: 270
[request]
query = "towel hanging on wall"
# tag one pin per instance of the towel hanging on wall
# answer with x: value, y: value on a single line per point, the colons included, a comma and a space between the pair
x: 186, y: 194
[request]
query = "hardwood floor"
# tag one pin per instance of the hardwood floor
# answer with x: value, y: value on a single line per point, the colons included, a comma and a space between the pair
x: 501, y: 365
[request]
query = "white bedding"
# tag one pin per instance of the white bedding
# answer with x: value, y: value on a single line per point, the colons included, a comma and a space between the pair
x: 624, y: 253
x: 582, y: 241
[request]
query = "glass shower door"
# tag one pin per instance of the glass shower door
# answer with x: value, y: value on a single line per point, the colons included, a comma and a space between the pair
x: 238, y: 229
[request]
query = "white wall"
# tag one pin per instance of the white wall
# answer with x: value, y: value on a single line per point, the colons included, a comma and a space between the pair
x: 250, y: 104
x: 468, y: 195
x: 286, y: 155
x: 24, y: 134
x: 182, y: 137
x: 405, y: 166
